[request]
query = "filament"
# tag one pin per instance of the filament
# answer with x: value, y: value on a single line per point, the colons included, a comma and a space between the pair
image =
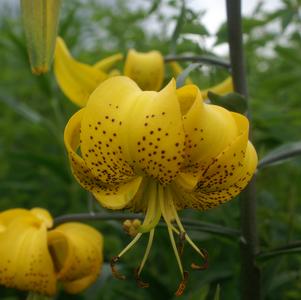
x: 148, y: 248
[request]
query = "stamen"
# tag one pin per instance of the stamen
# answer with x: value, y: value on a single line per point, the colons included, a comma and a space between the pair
x: 139, y: 281
x: 204, y: 266
x: 169, y: 228
x: 182, y: 285
x: 115, y: 259
x: 130, y: 245
x: 181, y: 242
x: 146, y: 254
x: 115, y: 273
x: 201, y: 251
x: 153, y: 213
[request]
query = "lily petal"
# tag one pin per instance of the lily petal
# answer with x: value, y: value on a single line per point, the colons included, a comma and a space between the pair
x: 222, y: 88
x: 77, y: 254
x: 108, y: 63
x: 209, y: 129
x: 25, y: 262
x: 146, y: 69
x: 110, y: 196
x: 77, y: 80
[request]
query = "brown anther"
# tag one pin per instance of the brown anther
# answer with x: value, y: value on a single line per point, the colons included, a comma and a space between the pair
x: 182, y: 285
x: 140, y: 282
x: 181, y: 242
x: 115, y: 273
x: 204, y: 266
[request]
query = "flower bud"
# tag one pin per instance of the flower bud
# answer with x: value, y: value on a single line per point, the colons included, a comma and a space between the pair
x: 40, y: 19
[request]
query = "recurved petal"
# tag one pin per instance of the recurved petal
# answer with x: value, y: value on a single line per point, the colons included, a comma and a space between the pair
x: 76, y: 250
x: 155, y: 134
x: 146, y: 69
x: 104, y: 130
x: 227, y: 175
x: 108, y: 63
x: 113, y: 196
x: 209, y: 129
x: 25, y: 262
x: 207, y: 197
x: 222, y: 88
x: 7, y: 216
x: 76, y: 80
x: 43, y: 215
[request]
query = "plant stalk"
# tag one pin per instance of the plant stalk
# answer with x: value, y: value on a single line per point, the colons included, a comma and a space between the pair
x: 249, y: 247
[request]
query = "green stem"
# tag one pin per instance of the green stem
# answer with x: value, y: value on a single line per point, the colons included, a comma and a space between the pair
x: 250, y: 273
x: 191, y: 224
x: 207, y: 60
x: 287, y: 249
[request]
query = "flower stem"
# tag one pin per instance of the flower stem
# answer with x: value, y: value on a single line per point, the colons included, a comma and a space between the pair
x: 207, y: 60
x: 189, y: 224
x: 250, y: 273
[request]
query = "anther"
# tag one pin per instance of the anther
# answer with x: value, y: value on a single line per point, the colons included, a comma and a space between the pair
x: 204, y: 266
x: 181, y: 242
x: 182, y: 284
x: 115, y: 273
x: 141, y: 284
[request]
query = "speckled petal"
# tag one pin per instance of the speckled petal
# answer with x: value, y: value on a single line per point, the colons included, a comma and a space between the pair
x: 226, y: 176
x: 25, y: 262
x: 76, y: 250
x: 146, y: 69
x: 209, y: 129
x: 156, y: 135
x: 222, y: 88
x: 204, y: 198
x: 108, y: 63
x: 111, y: 196
x: 104, y: 131
x: 77, y: 80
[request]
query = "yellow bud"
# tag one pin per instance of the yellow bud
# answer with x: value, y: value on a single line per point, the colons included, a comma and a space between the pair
x: 40, y: 19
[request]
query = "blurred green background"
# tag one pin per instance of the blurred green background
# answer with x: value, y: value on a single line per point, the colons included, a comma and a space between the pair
x: 34, y: 170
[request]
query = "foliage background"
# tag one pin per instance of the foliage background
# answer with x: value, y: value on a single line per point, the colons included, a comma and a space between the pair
x: 34, y: 169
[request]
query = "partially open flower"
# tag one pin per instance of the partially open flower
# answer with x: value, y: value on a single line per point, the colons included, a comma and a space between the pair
x: 158, y: 152
x: 33, y: 258
x: 78, y: 80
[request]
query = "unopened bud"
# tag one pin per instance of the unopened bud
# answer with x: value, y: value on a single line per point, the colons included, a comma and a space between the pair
x: 40, y: 19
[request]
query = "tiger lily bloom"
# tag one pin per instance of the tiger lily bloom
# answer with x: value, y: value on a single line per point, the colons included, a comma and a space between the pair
x: 33, y: 257
x: 158, y: 153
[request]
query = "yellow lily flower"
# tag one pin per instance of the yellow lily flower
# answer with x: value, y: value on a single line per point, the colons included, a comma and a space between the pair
x: 77, y: 254
x: 146, y: 69
x: 158, y: 152
x: 33, y: 258
x: 78, y: 80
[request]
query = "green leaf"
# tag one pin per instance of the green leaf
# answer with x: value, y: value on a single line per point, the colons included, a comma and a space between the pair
x: 232, y: 101
x: 281, y: 154
x: 181, y: 78
x: 195, y: 28
x: 178, y: 28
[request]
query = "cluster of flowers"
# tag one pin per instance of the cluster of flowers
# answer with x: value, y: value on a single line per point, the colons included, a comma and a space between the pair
x: 134, y: 145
